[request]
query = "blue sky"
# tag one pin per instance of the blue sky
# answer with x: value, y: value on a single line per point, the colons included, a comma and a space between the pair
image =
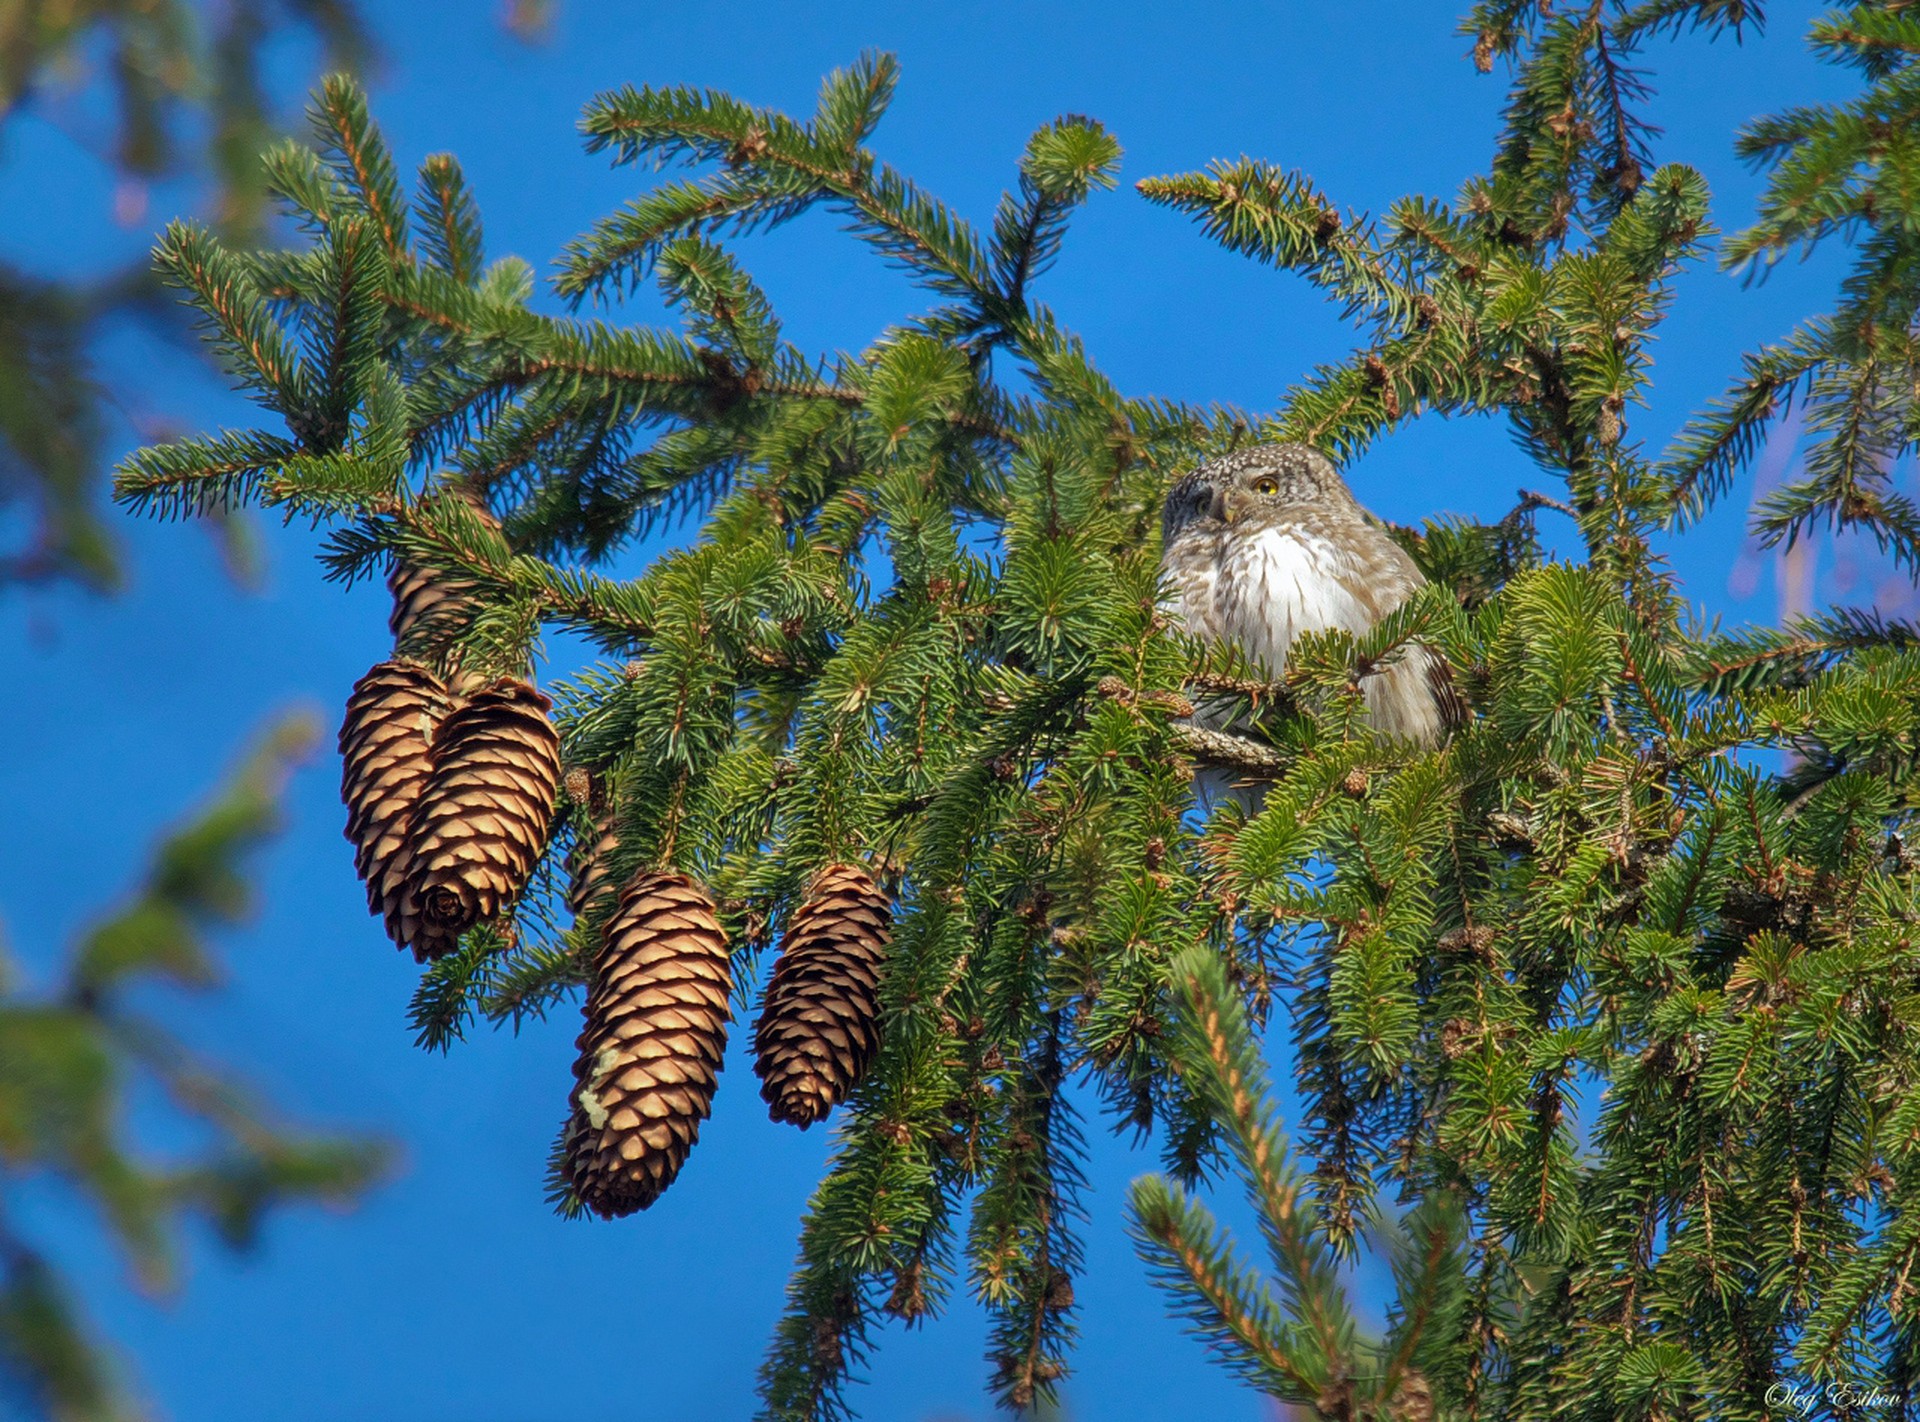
x: 452, y: 1293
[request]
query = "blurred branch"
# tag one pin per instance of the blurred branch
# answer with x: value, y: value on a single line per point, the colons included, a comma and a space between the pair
x: 71, y: 1058
x: 184, y: 81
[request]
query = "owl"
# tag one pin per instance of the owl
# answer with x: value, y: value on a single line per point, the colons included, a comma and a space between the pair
x: 1266, y: 543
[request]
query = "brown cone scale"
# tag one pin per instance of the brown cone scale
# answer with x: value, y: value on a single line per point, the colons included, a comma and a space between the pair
x: 820, y: 1022
x: 483, y: 819
x: 652, y: 1045
x: 386, y: 742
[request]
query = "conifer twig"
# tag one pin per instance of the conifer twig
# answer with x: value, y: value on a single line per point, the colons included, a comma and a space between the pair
x: 1221, y: 748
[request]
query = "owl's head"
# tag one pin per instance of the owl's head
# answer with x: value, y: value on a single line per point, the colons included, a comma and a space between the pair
x: 1249, y: 481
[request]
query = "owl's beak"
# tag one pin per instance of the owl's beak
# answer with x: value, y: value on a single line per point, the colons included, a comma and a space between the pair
x: 1226, y: 507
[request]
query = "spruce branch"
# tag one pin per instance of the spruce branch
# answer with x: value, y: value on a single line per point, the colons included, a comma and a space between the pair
x: 1063, y: 163
x: 345, y: 334
x: 194, y: 477
x: 622, y: 249
x: 1228, y: 1307
x: 854, y: 100
x: 305, y: 186
x: 1712, y: 447
x: 450, y: 220
x: 1281, y: 218
x: 1766, y: 658
x: 1221, y: 1061
x: 252, y: 342
x: 359, y: 157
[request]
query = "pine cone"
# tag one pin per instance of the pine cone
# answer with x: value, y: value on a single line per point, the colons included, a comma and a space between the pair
x: 820, y: 1022
x: 485, y: 814
x: 427, y: 605
x: 431, y: 606
x: 654, y: 1039
x: 589, y: 866
x: 385, y: 746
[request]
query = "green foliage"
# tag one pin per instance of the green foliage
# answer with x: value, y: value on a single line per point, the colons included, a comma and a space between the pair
x: 71, y: 1058
x: 48, y: 433
x: 1606, y: 1000
x: 168, y: 63
x: 1846, y: 172
x: 1301, y: 1344
x: 185, y: 84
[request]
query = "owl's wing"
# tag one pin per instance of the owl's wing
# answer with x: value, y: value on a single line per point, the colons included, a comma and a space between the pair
x: 1454, y: 711
x: 1393, y: 577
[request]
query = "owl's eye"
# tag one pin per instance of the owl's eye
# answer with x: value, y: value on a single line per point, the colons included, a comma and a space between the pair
x: 1265, y: 486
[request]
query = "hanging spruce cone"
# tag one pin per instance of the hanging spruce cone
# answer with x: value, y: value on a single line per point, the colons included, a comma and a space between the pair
x: 655, y: 1035
x: 427, y: 605
x: 589, y: 865
x: 820, y: 1023
x: 484, y: 816
x: 432, y: 606
x: 385, y: 741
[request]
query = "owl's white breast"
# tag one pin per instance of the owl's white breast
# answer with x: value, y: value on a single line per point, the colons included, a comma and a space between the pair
x: 1276, y: 583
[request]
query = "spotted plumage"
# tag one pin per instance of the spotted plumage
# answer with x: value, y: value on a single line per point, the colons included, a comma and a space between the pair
x: 1266, y: 543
